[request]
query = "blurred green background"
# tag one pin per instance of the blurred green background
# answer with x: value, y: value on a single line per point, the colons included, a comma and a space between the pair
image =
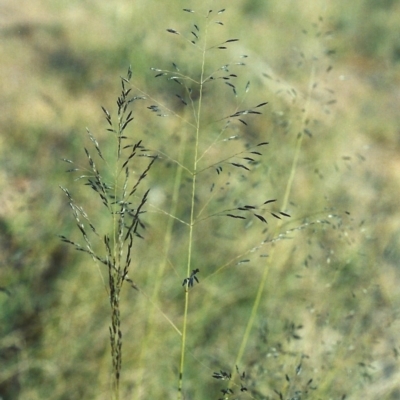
x: 332, y: 297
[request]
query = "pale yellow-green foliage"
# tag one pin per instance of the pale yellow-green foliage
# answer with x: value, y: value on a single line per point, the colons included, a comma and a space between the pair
x: 62, y: 60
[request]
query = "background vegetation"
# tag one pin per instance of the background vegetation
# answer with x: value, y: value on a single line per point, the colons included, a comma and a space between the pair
x: 331, y: 302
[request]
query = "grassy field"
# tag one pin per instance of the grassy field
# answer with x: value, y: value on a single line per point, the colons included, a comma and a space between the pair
x: 305, y: 307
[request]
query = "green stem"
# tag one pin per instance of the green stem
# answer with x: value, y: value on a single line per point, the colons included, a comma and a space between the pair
x: 192, y: 220
x: 289, y: 185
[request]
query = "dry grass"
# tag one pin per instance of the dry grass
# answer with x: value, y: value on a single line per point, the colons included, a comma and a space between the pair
x: 329, y: 301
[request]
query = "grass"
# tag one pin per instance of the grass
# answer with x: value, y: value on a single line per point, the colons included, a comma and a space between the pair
x: 322, y: 296
x: 202, y: 138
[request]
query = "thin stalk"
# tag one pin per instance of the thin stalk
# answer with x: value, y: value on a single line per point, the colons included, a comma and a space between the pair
x: 192, y: 220
x: 158, y: 281
x: 289, y: 185
x: 113, y: 271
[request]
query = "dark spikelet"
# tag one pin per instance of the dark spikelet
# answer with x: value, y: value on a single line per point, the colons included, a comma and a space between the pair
x: 235, y: 216
x: 125, y: 125
x: 170, y: 30
x: 240, y: 166
x: 181, y: 99
x: 298, y: 369
x: 269, y: 201
x: 64, y: 239
x: 276, y: 215
x: 232, y: 86
x: 261, y: 218
x: 142, y: 176
x: 135, y: 224
x: 129, y: 73
x: 279, y: 394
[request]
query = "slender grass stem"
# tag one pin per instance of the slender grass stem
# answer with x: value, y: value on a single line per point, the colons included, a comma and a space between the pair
x: 192, y: 217
x: 161, y: 269
x: 114, y: 269
x: 267, y: 268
